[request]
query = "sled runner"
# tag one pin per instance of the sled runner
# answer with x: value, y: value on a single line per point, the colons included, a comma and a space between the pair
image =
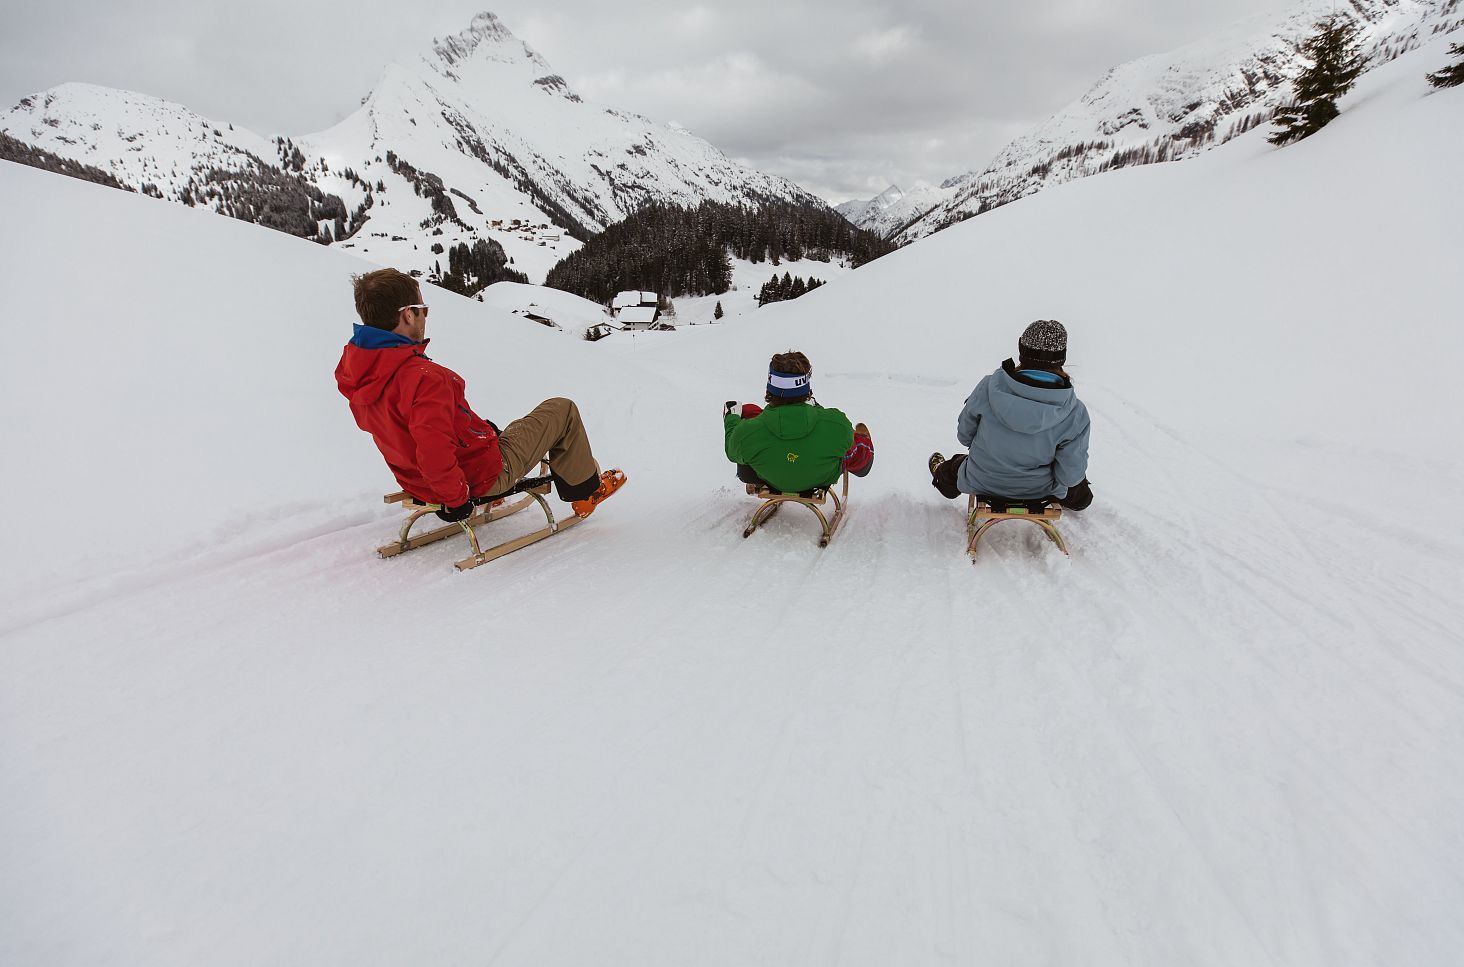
x: 532, y: 490
x: 984, y: 513
x: 815, y: 500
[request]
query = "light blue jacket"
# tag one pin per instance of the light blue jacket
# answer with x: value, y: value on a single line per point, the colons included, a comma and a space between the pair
x: 1026, y: 439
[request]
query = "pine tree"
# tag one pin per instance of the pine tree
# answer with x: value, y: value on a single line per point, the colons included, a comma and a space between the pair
x: 717, y: 312
x: 1450, y: 76
x: 1336, y: 62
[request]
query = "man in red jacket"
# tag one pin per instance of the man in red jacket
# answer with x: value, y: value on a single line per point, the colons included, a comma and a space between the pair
x: 440, y: 451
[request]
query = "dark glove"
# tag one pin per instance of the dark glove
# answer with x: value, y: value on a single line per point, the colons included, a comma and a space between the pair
x: 728, y: 407
x: 1079, y: 496
x: 454, y: 514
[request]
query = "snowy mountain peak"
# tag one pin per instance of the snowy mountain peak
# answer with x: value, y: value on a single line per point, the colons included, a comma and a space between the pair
x: 486, y: 41
x: 886, y: 212
x: 476, y: 139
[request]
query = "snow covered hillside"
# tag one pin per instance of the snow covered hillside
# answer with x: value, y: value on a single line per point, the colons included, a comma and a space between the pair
x: 1163, y: 107
x: 476, y: 138
x: 573, y: 315
x: 1225, y: 732
x: 747, y: 279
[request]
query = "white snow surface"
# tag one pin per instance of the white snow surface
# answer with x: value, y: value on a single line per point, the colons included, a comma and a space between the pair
x: 1227, y: 731
x: 747, y: 278
x: 571, y: 313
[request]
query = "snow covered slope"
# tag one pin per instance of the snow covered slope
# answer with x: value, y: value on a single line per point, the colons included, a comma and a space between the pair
x: 1226, y: 732
x: 573, y: 315
x: 748, y: 278
x: 569, y: 313
x: 139, y: 140
x: 466, y: 140
x: 1166, y: 107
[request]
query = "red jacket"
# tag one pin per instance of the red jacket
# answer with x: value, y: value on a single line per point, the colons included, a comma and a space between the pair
x: 439, y: 449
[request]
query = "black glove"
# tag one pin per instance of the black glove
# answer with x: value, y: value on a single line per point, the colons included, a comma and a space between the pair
x: 454, y: 514
x: 728, y: 407
x: 1079, y: 496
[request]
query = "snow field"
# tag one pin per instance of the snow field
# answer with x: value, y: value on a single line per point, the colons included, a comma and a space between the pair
x: 1224, y: 732
x: 747, y: 279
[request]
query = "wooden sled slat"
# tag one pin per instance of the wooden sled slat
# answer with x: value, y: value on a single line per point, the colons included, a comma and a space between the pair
x: 484, y: 516
x: 530, y: 490
x: 517, y: 544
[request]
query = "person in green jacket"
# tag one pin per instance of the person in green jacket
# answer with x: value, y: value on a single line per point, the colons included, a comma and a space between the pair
x: 794, y: 445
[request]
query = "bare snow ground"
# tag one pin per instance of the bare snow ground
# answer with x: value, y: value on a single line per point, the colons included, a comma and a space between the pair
x: 1227, y: 731
x: 747, y: 279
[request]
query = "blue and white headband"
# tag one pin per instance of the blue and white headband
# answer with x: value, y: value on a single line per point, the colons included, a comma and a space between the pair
x: 789, y: 384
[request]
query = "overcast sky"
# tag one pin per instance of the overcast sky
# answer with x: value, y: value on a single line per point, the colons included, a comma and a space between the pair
x: 843, y: 96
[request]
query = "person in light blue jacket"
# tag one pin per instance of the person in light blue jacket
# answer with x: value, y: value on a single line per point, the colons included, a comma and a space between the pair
x: 1025, y: 429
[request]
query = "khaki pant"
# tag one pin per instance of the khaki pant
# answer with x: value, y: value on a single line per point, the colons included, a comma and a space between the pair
x: 553, y: 427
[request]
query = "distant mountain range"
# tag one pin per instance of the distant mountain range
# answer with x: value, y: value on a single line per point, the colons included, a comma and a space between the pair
x: 479, y: 139
x: 860, y: 211
x: 1159, y: 108
x: 476, y: 138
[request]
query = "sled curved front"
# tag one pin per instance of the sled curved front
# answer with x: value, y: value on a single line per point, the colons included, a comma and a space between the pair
x: 773, y: 500
x: 981, y: 516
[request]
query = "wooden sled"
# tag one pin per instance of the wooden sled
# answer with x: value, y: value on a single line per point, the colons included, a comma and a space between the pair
x: 773, y: 500
x: 531, y: 494
x: 984, y: 513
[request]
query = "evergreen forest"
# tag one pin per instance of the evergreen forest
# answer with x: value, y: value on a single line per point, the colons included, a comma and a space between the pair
x: 787, y: 287
x: 471, y: 269
x: 684, y: 251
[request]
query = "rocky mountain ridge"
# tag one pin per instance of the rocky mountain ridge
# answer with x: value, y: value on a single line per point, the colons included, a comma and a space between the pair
x: 1164, y: 107
x: 476, y: 138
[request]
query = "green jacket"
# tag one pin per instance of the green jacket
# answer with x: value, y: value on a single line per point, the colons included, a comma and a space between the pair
x: 794, y: 447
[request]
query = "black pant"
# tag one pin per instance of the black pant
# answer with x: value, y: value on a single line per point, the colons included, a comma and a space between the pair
x: 944, y: 479
x: 1078, y: 497
x: 747, y: 475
